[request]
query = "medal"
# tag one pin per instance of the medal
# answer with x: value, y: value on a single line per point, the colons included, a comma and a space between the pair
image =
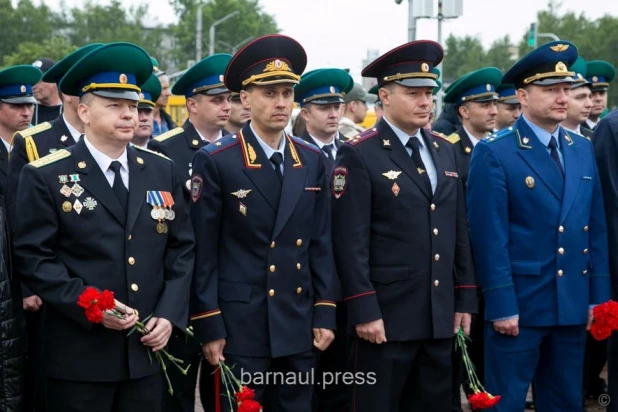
x: 65, y: 190
x: 168, y: 203
x: 154, y: 213
x: 172, y: 215
x: 167, y: 213
x: 77, y: 190
x: 161, y: 228
x: 74, y: 178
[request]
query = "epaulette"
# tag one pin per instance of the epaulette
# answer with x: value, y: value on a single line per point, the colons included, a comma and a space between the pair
x: 35, y: 129
x: 51, y: 158
x: 575, y: 134
x: 453, y: 138
x: 367, y: 134
x: 508, y: 131
x: 142, y: 149
x: 170, y: 133
x: 224, y: 143
x: 305, y: 144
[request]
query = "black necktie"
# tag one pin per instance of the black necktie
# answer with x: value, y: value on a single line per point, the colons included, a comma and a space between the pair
x: 328, y: 151
x: 414, y: 144
x: 118, y: 187
x: 553, y: 146
x: 276, y: 159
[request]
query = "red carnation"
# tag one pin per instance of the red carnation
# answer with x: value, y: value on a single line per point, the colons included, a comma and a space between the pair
x: 106, y: 300
x: 88, y: 298
x: 94, y: 314
x: 245, y: 393
x: 600, y: 330
x: 483, y: 400
x: 249, y: 406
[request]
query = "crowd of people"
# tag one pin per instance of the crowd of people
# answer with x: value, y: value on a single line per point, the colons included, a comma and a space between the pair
x: 345, y: 260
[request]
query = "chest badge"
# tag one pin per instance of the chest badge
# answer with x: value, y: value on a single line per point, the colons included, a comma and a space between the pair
x: 395, y: 189
x: 391, y: 174
x: 530, y: 182
x: 242, y: 193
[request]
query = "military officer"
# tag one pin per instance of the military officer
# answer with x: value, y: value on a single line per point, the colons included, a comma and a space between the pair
x: 16, y: 109
x: 90, y: 224
x: 148, y: 96
x: 509, y: 108
x: 320, y: 96
x: 264, y: 284
x: 600, y: 74
x: 580, y: 104
x: 475, y: 97
x: 537, y: 224
x: 377, y: 106
x: 208, y: 105
x: 239, y: 114
x: 399, y: 234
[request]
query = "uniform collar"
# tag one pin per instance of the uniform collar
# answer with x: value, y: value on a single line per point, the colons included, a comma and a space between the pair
x: 75, y: 134
x: 104, y: 160
x: 269, y: 151
x: 543, y: 135
x: 473, y: 139
x: 403, y: 136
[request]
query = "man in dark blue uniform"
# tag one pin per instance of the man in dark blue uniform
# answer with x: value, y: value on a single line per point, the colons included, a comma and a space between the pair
x: 538, y: 231
x: 320, y: 96
x: 208, y: 105
x: 264, y: 288
x: 90, y: 223
x: 401, y: 243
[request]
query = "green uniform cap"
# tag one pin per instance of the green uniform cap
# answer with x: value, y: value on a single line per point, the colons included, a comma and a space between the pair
x: 58, y: 70
x: 16, y: 84
x: 477, y: 86
x: 600, y: 73
x: 151, y: 90
x: 205, y: 77
x: 323, y: 86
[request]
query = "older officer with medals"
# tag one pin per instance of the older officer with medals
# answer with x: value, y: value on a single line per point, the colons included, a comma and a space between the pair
x: 89, y: 224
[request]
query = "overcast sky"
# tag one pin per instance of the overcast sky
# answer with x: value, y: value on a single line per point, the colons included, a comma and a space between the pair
x: 337, y: 33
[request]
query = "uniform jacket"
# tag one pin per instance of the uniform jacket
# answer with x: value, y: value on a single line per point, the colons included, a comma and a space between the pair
x: 60, y: 252
x: 337, y: 142
x: 264, y: 276
x: 463, y: 150
x: 402, y: 254
x: 539, y: 240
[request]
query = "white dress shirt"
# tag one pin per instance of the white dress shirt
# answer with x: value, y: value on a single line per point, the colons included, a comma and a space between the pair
x: 74, y: 132
x: 104, y: 161
x: 320, y: 144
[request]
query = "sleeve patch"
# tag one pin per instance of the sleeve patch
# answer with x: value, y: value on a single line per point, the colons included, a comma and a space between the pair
x: 340, y: 181
x: 196, y: 188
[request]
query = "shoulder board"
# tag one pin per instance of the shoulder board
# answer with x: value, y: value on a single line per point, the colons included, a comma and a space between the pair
x: 367, y: 134
x: 305, y: 144
x: 141, y: 149
x: 573, y: 134
x: 35, y: 129
x: 500, y: 134
x: 453, y: 138
x: 51, y: 158
x: 170, y: 133
x: 224, y: 143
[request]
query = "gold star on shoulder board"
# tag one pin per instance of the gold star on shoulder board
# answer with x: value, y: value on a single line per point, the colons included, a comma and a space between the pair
x: 218, y: 144
x: 386, y: 142
x: 391, y: 174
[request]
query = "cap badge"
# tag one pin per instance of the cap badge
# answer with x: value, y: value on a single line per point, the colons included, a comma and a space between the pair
x: 332, y: 89
x: 277, y: 65
x: 559, y: 47
x: 595, y: 79
x: 425, y: 67
x: 22, y: 89
x: 123, y: 78
x: 488, y: 87
x: 38, y: 64
x: 141, y: 96
x: 561, y: 67
x: 221, y: 78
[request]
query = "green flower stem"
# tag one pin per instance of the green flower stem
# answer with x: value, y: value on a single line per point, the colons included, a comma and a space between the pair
x: 461, y: 344
x: 227, y: 388
x: 169, y: 383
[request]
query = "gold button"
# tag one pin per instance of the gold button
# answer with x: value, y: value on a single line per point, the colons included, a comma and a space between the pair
x: 129, y: 237
x: 585, y: 228
x: 298, y: 266
x: 272, y: 244
x: 131, y: 261
x: 584, y: 272
x: 134, y: 287
x: 436, y: 283
x: 435, y: 232
x: 299, y: 242
x: 561, y: 229
x: 271, y: 293
x: 436, y: 257
x: 433, y: 207
x: 585, y: 251
x: 560, y: 272
x: 299, y: 291
x: 272, y: 268
x: 561, y: 251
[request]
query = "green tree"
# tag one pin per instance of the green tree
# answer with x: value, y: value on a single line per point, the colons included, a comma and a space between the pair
x: 24, y: 22
x: 463, y: 55
x: 113, y: 23
x: 251, y: 21
x: 500, y: 54
x: 27, y: 52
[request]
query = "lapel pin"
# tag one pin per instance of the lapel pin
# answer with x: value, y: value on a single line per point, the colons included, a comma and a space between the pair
x: 81, y: 165
x: 194, y: 142
x: 525, y: 140
x: 63, y: 138
x: 530, y: 182
x: 242, y: 209
x: 139, y: 160
x: 386, y: 142
x: 435, y: 144
x: 420, y: 171
x: 396, y: 189
x: 468, y: 150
